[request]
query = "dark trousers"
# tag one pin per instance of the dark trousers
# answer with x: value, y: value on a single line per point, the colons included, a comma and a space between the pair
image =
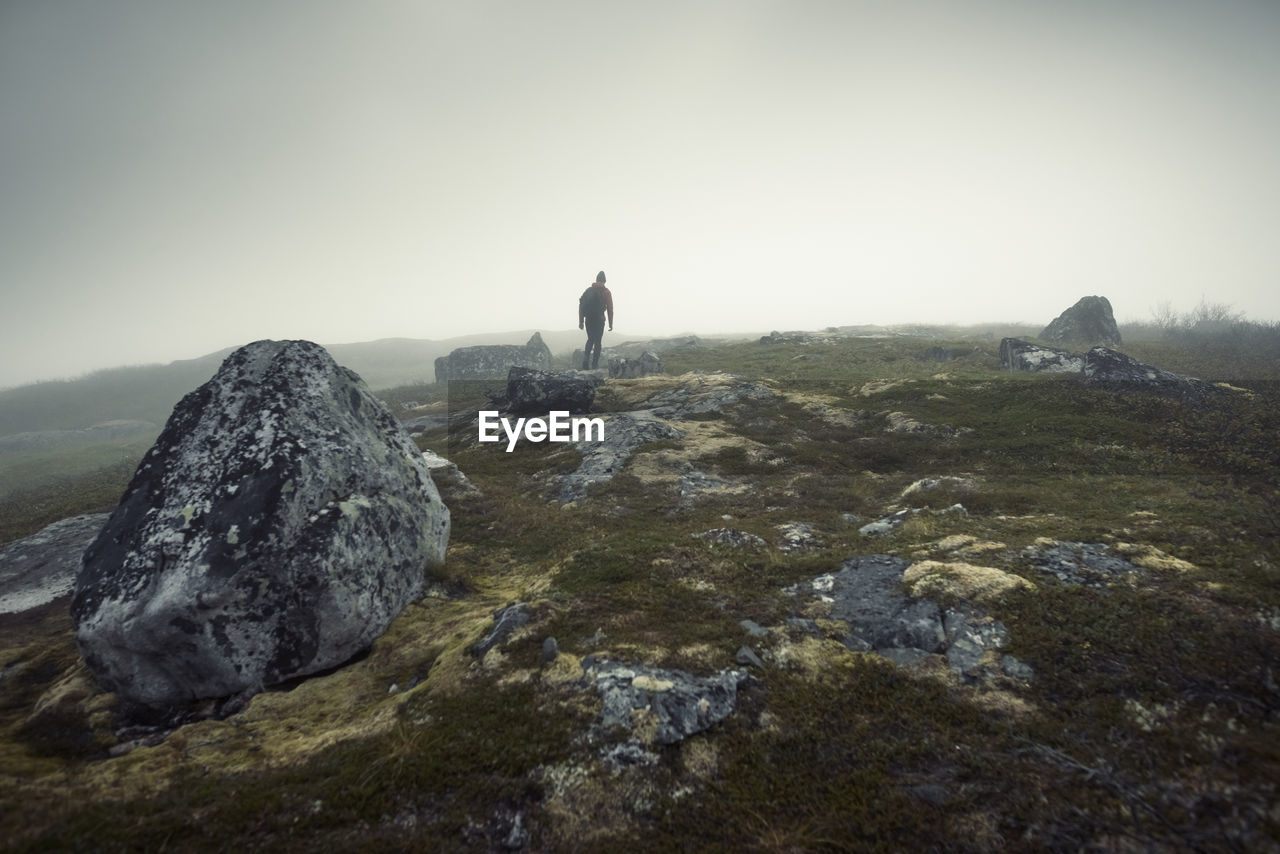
x: 590, y: 358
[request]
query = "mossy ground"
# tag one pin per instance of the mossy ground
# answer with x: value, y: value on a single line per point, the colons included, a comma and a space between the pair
x: 1150, y: 723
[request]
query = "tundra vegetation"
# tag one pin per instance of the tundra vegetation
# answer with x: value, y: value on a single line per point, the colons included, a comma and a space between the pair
x: 1147, y: 719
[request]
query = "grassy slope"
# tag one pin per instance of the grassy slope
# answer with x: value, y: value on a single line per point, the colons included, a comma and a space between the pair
x: 1152, y: 719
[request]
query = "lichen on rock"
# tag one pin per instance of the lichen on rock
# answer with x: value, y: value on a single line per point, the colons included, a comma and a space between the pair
x: 280, y: 522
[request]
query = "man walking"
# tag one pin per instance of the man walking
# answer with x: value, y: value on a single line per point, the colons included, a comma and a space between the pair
x: 594, y: 305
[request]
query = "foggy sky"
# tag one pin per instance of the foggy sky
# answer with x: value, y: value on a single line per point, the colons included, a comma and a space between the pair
x: 179, y: 177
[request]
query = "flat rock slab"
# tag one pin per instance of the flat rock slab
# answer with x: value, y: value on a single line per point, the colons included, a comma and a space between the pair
x: 38, y: 569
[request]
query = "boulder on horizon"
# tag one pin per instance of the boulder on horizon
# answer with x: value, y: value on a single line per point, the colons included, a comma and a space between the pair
x: 1089, y: 321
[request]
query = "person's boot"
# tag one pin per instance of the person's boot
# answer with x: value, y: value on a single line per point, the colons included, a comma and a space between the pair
x: 585, y: 362
x: 595, y: 361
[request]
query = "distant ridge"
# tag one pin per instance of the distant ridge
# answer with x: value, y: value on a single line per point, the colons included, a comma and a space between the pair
x: 149, y: 392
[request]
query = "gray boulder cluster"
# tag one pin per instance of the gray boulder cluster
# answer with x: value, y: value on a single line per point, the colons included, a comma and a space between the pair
x: 280, y: 522
x: 490, y: 361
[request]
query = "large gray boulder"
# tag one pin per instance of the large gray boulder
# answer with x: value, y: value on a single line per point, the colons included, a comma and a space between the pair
x: 280, y: 522
x: 1089, y: 321
x: 489, y: 361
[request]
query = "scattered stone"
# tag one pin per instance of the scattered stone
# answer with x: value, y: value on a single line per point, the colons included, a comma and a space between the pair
x: 796, y: 537
x: 695, y: 482
x: 747, y: 657
x: 662, y: 706
x: 505, y: 621
x: 1019, y: 355
x: 37, y: 569
x: 1016, y: 668
x: 888, y: 523
x: 1089, y: 321
x: 926, y: 484
x: 622, y: 368
x: 447, y: 472
x: 490, y: 361
x: 754, y: 629
x: 628, y: 754
x: 550, y: 650
x: 280, y: 522
x: 731, y: 537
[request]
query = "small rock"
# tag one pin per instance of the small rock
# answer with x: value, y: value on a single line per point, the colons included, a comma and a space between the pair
x: 731, y: 537
x: 796, y: 537
x: 505, y: 621
x: 550, y: 650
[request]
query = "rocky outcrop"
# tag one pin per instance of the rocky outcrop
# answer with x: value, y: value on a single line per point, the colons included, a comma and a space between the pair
x: 531, y: 391
x: 280, y: 522
x: 1019, y: 355
x: 1103, y: 368
x: 1115, y: 371
x: 490, y: 361
x: 661, y: 706
x: 1089, y: 321
x: 867, y: 595
x: 40, y: 568
x: 624, y: 432
x: 1080, y: 564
